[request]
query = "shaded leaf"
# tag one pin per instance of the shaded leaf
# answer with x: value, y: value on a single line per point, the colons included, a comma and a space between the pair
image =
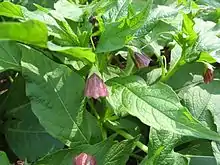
x: 10, y: 56
x: 25, y: 136
x: 49, y: 86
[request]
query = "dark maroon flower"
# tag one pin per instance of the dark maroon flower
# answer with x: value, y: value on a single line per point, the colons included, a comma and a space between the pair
x: 208, y: 75
x: 20, y: 162
x: 141, y: 60
x: 95, y: 87
x: 84, y: 159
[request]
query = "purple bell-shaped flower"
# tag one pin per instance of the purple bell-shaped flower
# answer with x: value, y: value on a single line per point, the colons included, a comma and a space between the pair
x: 95, y: 87
x: 84, y: 159
x: 141, y: 60
x: 208, y: 75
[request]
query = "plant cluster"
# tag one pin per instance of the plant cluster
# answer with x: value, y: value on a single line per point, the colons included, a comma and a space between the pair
x: 110, y: 82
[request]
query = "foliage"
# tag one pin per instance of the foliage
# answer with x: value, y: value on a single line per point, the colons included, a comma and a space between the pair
x: 118, y: 81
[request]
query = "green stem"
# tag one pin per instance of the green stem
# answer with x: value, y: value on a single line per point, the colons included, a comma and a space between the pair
x: 173, y: 69
x: 93, y: 109
x: 128, y: 136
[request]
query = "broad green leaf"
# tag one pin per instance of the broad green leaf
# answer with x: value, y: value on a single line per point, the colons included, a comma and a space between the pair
x: 69, y: 10
x: 202, y: 100
x: 74, y: 52
x: 117, y: 34
x: 213, y: 3
x: 208, y: 42
x: 29, y: 32
x: 196, y: 147
x: 161, y: 151
x: 23, y: 126
x: 10, y: 56
x: 216, y: 151
x: 202, y: 160
x: 114, y: 37
x: 9, y: 9
x: 150, y: 75
x: 139, y: 19
x: 106, y: 153
x: 157, y: 14
x: 156, y: 106
x: 191, y: 75
x: 50, y: 85
x: 117, y: 12
x: 4, y: 159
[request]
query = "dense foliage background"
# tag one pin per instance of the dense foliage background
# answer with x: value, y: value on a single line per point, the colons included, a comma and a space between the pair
x: 127, y: 82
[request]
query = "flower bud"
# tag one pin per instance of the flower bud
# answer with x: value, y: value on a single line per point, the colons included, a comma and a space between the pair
x: 84, y: 159
x: 141, y: 60
x: 208, y: 75
x: 95, y: 87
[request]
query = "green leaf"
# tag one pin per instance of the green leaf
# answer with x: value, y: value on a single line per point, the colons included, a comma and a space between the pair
x: 117, y: 12
x: 202, y: 160
x: 139, y: 19
x: 159, y: 13
x: 216, y: 151
x: 213, y: 3
x: 191, y: 75
x: 23, y: 126
x: 117, y: 34
x: 50, y: 85
x: 106, y: 153
x: 202, y: 101
x: 74, y: 52
x: 10, y: 56
x: 208, y: 41
x: 114, y: 37
x: 9, y: 9
x: 4, y: 159
x: 161, y: 151
x: 68, y: 10
x: 29, y: 32
x: 187, y: 29
x: 156, y: 106
x: 150, y: 75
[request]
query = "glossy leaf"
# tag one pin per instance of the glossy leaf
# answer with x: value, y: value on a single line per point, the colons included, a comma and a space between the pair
x: 10, y: 56
x: 8, y: 9
x: 49, y: 86
x: 154, y: 105
x: 29, y: 32
x: 74, y: 52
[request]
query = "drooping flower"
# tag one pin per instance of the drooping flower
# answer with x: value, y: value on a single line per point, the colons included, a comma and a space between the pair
x: 208, y: 75
x: 84, y: 159
x: 20, y: 162
x: 141, y: 60
x: 95, y: 87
